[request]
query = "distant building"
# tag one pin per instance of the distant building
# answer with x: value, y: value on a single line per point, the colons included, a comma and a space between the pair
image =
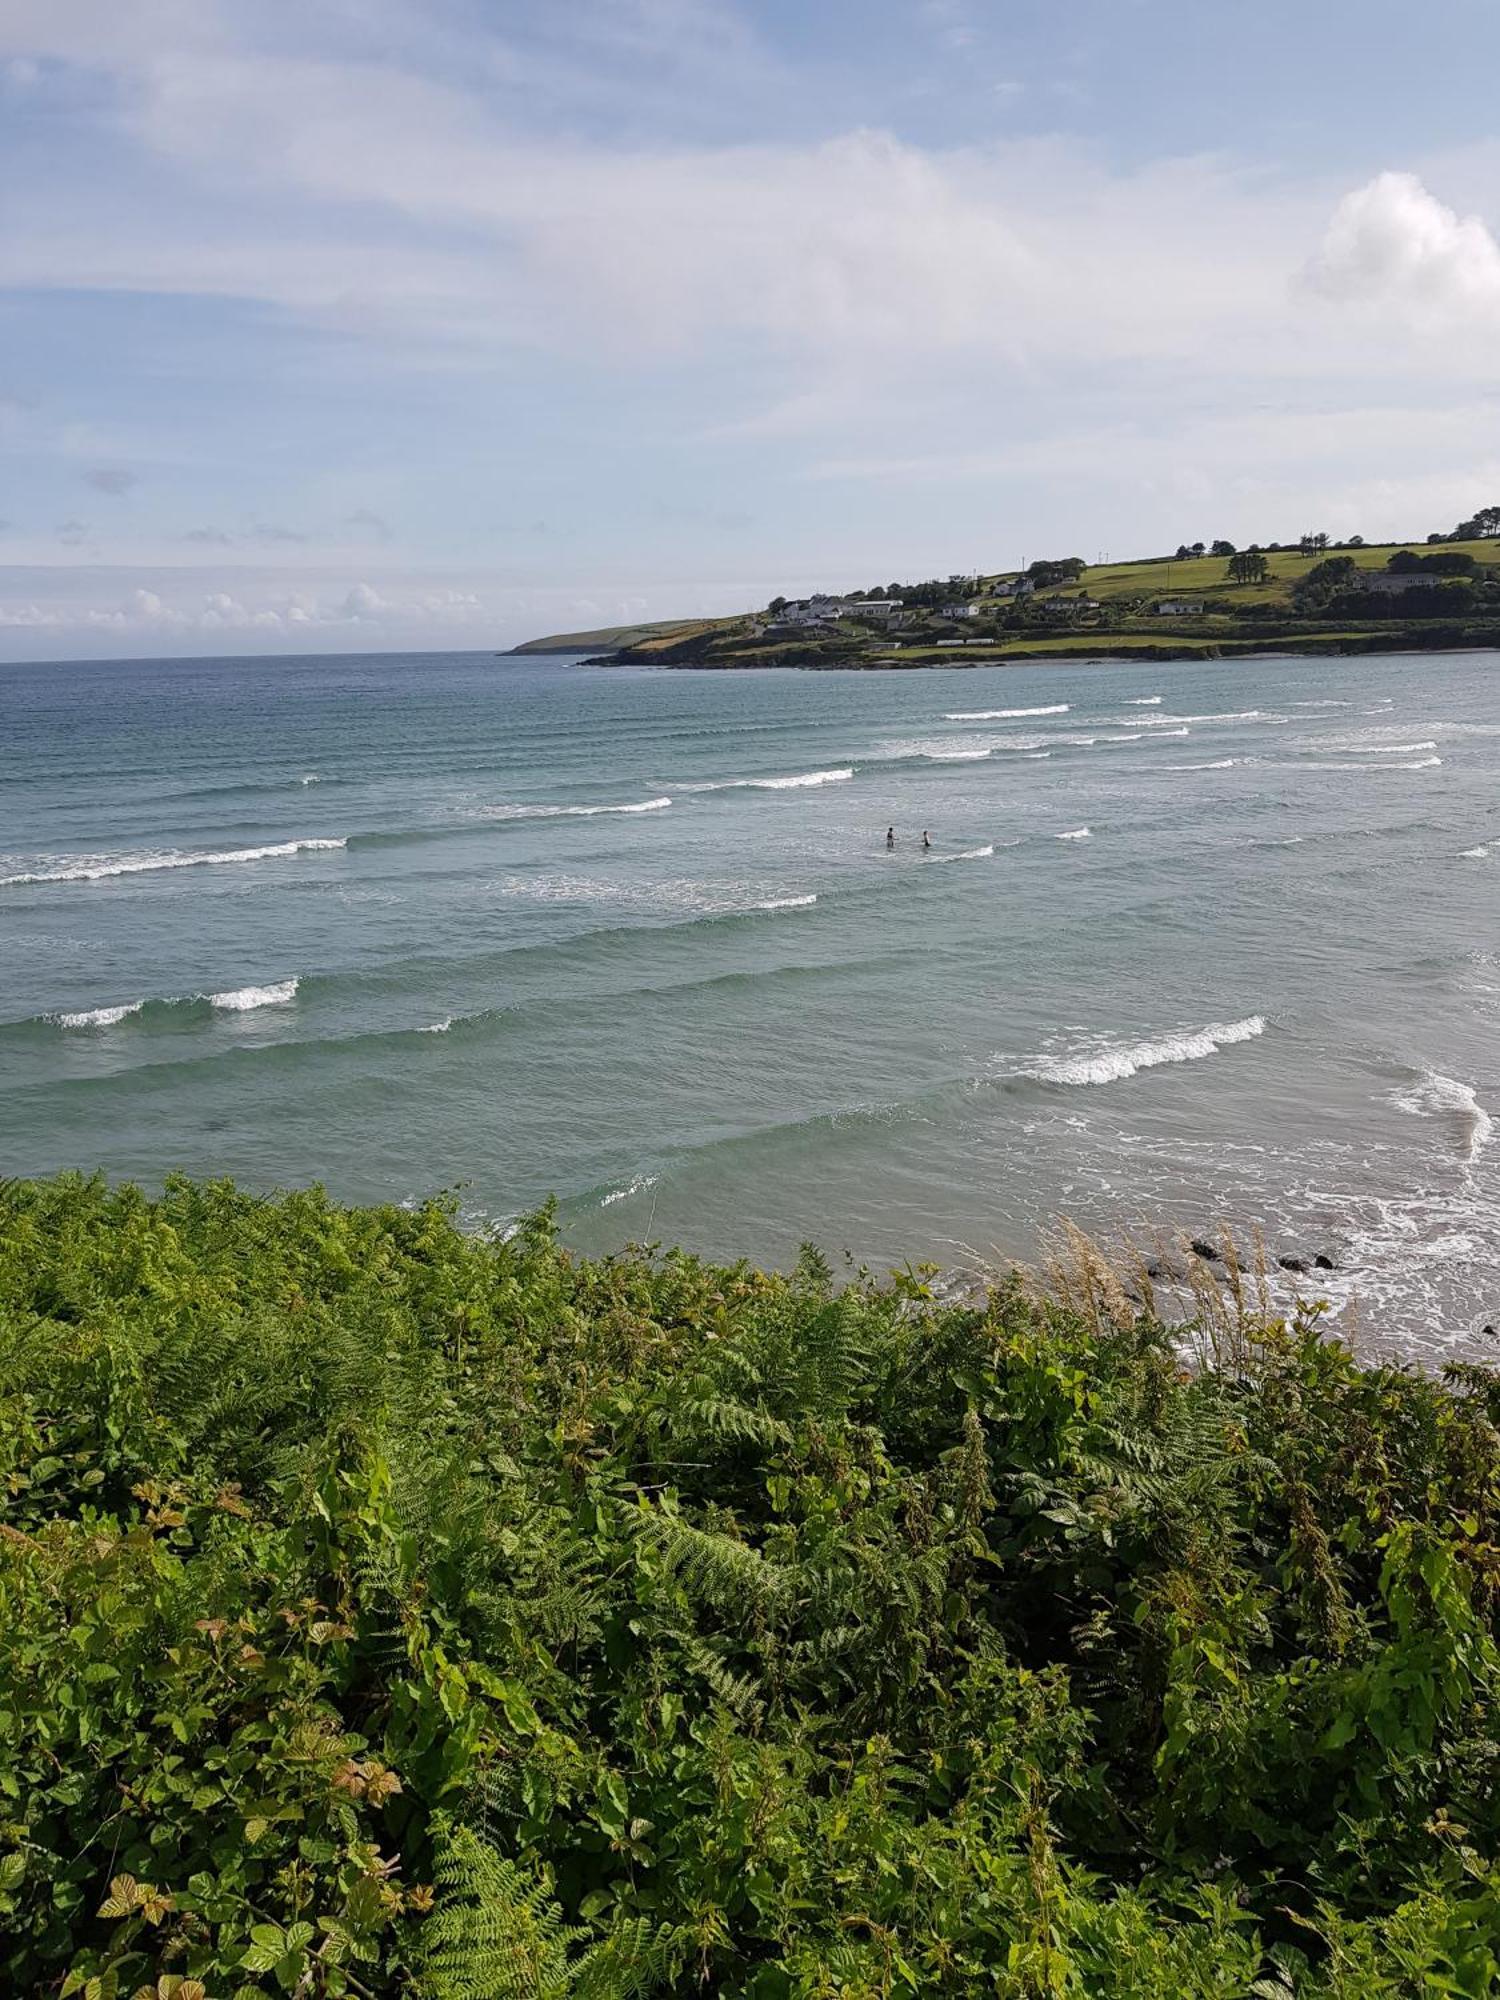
x: 1069, y: 607
x: 1012, y: 586
x: 966, y: 608
x: 884, y: 610
x: 1392, y: 582
x: 1180, y: 607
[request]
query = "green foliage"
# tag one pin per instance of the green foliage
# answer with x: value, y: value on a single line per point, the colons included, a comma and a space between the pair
x: 389, y: 1611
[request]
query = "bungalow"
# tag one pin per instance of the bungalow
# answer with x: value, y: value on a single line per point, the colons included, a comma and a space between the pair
x: 1012, y: 586
x: 1180, y: 607
x: 1069, y: 607
x: 1393, y: 582
x: 884, y: 610
x: 965, y: 608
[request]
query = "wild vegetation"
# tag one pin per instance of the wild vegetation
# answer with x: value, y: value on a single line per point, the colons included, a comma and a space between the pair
x: 385, y: 1610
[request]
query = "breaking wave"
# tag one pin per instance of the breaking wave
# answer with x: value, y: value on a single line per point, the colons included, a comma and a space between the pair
x: 570, y: 812
x: 242, y: 999
x: 149, y: 864
x: 786, y: 903
x: 1143, y: 701
x: 97, y: 1017
x: 1006, y: 714
x: 1435, y: 1095
x: 1474, y: 854
x: 640, y: 1185
x: 968, y: 854
x: 1113, y: 1062
x: 1078, y: 833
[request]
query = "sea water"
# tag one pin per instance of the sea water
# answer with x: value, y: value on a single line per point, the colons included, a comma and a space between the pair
x: 1192, y: 944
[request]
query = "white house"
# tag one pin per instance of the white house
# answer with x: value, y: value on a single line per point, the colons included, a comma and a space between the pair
x: 1012, y: 586
x: 966, y: 608
x: 1069, y: 607
x: 1180, y: 607
x: 1391, y: 582
x: 883, y: 610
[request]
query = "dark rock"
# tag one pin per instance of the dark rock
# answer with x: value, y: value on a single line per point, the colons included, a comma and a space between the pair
x: 1200, y: 1247
x: 1322, y: 1262
x: 1293, y: 1263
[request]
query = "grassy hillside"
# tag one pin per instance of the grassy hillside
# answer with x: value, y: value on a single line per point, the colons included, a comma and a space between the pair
x: 1108, y: 610
x: 385, y: 1611
x: 608, y: 637
x: 1166, y: 576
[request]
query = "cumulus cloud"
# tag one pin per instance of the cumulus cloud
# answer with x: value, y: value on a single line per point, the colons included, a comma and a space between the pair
x: 113, y: 479
x: 1393, y: 243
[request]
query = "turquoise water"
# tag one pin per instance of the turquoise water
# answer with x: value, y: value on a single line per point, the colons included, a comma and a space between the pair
x: 635, y: 939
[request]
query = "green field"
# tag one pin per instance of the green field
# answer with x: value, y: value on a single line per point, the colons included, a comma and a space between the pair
x: 607, y: 637
x: 1199, y: 576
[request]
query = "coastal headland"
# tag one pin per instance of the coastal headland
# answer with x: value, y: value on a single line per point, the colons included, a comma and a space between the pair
x: 1314, y: 596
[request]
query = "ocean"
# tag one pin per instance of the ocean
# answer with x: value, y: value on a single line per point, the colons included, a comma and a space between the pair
x: 1193, y: 944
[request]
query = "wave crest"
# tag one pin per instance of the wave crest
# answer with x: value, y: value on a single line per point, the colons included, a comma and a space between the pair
x: 149, y: 864
x: 1112, y: 1063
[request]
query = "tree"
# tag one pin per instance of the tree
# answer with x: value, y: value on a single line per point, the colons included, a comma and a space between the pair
x: 1222, y: 548
x: 776, y: 604
x: 1250, y: 566
x: 1310, y: 544
x: 1198, y: 548
x: 1183, y: 552
x: 1324, y: 581
x: 1480, y: 527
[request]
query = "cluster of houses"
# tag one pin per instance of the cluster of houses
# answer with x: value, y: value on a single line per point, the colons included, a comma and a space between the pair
x: 822, y: 613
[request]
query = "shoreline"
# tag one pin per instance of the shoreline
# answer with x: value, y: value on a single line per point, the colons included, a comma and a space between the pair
x: 1212, y: 653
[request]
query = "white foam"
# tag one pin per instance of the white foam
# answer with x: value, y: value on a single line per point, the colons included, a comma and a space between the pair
x: 638, y: 1186
x: 310, y: 778
x: 1006, y: 714
x: 1380, y: 749
x: 1474, y: 854
x: 1141, y: 736
x: 1322, y: 704
x: 243, y: 998
x: 1113, y: 1063
x: 438, y: 1027
x: 805, y: 778
x: 1436, y: 1095
x: 1417, y: 764
x: 98, y: 1017
x: 146, y: 864
x: 955, y: 756
x: 792, y: 784
x: 1036, y: 756
x: 1078, y: 833
x: 786, y: 903
x: 1143, y: 701
x: 968, y: 854
x: 1218, y: 764
x: 571, y: 812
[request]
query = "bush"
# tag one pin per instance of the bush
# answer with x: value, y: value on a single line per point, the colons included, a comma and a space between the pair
x: 386, y: 1610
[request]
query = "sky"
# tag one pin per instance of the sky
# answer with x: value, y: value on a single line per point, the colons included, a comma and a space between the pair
x: 438, y: 324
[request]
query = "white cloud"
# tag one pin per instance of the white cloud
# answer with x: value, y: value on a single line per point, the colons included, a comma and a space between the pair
x: 1392, y: 243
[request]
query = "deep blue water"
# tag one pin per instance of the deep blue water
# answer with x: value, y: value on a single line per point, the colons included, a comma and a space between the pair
x: 526, y: 927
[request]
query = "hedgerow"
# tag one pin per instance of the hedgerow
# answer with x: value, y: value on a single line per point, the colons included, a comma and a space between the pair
x: 386, y: 1610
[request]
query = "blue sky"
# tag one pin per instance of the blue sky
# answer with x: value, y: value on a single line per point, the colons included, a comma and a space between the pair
x: 369, y: 323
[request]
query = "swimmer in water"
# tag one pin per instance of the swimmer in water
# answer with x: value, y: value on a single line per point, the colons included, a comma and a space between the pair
x: 890, y: 836
x: 926, y: 842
